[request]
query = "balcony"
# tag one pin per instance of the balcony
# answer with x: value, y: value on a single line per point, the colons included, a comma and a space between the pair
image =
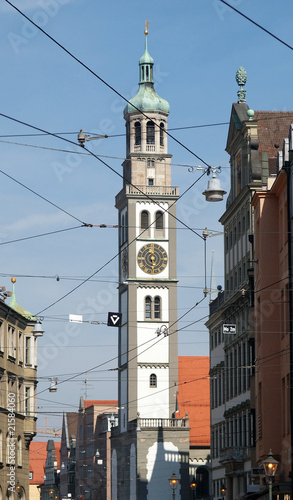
x: 165, y: 423
x: 135, y: 191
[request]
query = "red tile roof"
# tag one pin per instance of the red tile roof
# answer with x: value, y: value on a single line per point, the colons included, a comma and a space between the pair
x: 57, y: 453
x: 194, y: 397
x: 37, y: 457
x: 103, y: 402
x: 272, y: 128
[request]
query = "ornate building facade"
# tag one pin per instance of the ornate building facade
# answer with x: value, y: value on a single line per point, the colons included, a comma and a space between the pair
x: 253, y: 140
x: 18, y: 371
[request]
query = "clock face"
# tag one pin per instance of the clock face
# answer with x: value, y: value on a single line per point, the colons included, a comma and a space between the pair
x: 124, y: 262
x: 152, y: 258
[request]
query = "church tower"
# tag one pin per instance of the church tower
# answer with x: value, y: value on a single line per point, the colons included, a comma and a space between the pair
x: 148, y: 355
x: 147, y: 246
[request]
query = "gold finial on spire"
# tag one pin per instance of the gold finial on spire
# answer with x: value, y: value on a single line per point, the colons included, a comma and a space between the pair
x: 147, y: 25
x: 13, y: 280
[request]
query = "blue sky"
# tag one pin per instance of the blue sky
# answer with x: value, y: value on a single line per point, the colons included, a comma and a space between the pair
x: 197, y: 47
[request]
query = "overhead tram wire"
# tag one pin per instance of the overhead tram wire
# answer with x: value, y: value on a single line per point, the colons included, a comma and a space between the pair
x: 108, y: 166
x: 115, y: 135
x: 40, y: 235
x: 122, y: 177
x: 129, y: 350
x: 40, y: 196
x: 107, y: 84
x: 257, y: 25
x: 184, y: 165
x: 124, y: 134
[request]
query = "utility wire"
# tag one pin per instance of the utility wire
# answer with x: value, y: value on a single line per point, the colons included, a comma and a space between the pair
x: 256, y: 24
x: 105, y: 83
x: 122, y: 177
x: 40, y: 235
x: 116, y: 135
x: 40, y: 196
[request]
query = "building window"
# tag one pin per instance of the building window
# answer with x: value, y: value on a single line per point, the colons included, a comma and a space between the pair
x: 19, y: 452
x: 153, y: 380
x: 11, y: 341
x: 27, y: 351
x: 148, y: 308
x: 137, y: 128
x: 20, y: 347
x: 150, y: 132
x: 151, y: 163
x: 152, y: 308
x: 161, y: 134
x: 27, y: 400
x: 1, y: 336
x: 159, y: 220
x: 157, y: 308
x: 122, y: 228
x: 150, y: 182
x: 144, y: 219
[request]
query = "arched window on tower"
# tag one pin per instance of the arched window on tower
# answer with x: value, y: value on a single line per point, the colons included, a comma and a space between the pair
x: 159, y: 220
x: 137, y: 128
x: 162, y: 126
x: 157, y: 307
x: 148, y: 308
x: 159, y: 224
x: 144, y: 223
x: 150, y: 132
x: 153, y: 380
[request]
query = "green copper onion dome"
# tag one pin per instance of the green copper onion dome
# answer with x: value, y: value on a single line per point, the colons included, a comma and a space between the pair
x: 14, y: 305
x: 146, y: 99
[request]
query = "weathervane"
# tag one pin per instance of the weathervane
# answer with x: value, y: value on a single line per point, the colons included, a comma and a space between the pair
x: 147, y: 25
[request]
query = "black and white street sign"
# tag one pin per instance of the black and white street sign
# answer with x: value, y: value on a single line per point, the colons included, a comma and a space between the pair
x: 114, y: 319
x: 229, y: 329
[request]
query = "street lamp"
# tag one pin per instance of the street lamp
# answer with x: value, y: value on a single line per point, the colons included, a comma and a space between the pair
x: 173, y: 481
x: 19, y: 489
x: 214, y: 192
x: 82, y: 137
x: 223, y: 490
x: 193, y: 487
x: 270, y: 465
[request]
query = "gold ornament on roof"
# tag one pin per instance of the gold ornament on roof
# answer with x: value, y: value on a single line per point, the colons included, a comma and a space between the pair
x: 13, y: 280
x: 147, y: 25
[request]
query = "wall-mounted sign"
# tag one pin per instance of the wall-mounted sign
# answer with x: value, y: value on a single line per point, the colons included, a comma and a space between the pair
x: 229, y: 329
x: 114, y: 319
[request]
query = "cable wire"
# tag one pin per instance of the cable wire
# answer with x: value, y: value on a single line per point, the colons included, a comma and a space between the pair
x: 104, y: 82
x: 256, y: 24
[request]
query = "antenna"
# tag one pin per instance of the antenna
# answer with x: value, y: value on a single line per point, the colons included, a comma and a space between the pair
x: 85, y: 389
